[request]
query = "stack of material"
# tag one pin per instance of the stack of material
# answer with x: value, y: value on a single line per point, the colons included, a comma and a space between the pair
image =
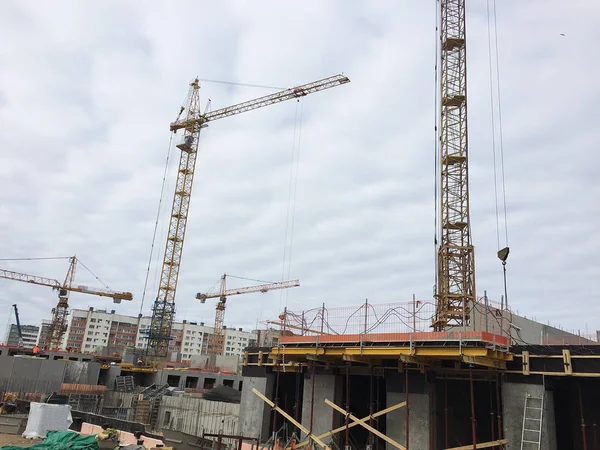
x: 124, y: 383
x: 223, y: 394
x: 44, y: 417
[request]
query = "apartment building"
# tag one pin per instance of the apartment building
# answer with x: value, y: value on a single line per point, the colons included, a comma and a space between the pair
x: 91, y: 330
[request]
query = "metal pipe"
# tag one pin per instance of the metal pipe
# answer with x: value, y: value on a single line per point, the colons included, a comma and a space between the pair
x: 446, y: 445
x: 473, y: 424
x: 432, y: 409
x: 407, y: 407
x: 312, y: 397
x: 347, y: 404
x: 492, y: 413
x: 498, y: 410
x: 583, y: 434
x: 378, y: 409
x: 485, y: 297
x: 371, y: 405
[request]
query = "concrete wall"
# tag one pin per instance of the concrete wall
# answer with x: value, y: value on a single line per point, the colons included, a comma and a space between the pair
x: 255, y: 414
x: 162, y: 377
x: 513, y: 408
x: 418, y: 407
x: 81, y: 372
x: 195, y: 415
x: 327, y: 386
x: 30, y: 374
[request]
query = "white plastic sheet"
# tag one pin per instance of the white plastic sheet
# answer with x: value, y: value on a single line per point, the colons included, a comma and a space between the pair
x: 44, y: 417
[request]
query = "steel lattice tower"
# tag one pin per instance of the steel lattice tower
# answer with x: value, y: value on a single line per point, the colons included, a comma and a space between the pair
x: 456, y: 260
x: 163, y: 311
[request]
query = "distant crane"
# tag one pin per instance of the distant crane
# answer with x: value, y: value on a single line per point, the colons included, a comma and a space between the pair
x: 163, y: 310
x: 215, y: 342
x: 53, y: 338
x: 19, y: 330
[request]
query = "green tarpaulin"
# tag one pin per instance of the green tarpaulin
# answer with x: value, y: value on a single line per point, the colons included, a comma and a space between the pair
x: 61, y: 440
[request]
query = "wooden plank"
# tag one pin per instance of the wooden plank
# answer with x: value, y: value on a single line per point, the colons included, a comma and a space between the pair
x: 567, y: 361
x: 525, y: 363
x: 367, y: 426
x: 480, y: 445
x: 353, y: 424
x: 291, y: 419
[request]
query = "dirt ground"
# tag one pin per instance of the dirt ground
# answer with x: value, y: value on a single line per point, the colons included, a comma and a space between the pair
x: 15, y: 439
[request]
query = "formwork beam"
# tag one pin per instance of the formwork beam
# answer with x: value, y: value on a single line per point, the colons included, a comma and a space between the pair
x: 290, y: 419
x: 487, y: 362
x: 480, y: 445
x: 362, y: 423
x: 353, y: 424
x: 390, y: 352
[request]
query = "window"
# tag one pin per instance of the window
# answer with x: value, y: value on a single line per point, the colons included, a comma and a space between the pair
x: 88, y: 340
x: 92, y: 320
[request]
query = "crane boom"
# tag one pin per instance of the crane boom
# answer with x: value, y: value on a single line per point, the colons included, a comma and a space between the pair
x: 216, y: 340
x: 288, y: 94
x: 455, y: 289
x: 250, y: 289
x: 163, y: 310
x: 55, y: 284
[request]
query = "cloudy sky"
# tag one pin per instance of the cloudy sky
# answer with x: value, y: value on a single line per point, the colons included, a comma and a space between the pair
x: 87, y: 91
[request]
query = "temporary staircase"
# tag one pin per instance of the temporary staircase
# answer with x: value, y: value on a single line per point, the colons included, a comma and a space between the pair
x: 533, y: 413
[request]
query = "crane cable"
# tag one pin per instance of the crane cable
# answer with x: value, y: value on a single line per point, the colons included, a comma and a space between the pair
x: 162, y: 191
x: 436, y: 149
x: 493, y: 46
x: 291, y: 207
x: 295, y: 195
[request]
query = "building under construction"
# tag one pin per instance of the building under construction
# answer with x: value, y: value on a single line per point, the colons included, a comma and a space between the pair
x: 376, y: 376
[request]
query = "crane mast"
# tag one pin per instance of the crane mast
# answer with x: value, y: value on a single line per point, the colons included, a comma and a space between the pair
x: 163, y: 310
x: 216, y: 340
x: 19, y: 330
x: 455, y: 290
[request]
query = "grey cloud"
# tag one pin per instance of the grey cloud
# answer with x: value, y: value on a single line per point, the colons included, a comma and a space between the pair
x: 87, y: 100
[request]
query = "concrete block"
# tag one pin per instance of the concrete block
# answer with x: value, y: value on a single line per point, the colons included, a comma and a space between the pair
x: 255, y: 414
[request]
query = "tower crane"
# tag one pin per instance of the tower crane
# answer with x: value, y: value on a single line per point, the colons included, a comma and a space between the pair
x: 58, y: 326
x: 163, y: 310
x: 215, y: 343
x: 455, y: 287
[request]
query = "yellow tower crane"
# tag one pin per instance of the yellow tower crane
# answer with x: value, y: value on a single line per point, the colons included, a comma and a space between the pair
x: 53, y: 337
x: 215, y: 342
x: 163, y: 310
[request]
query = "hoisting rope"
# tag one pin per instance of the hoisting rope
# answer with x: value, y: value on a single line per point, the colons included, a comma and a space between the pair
x: 291, y: 207
x: 162, y: 191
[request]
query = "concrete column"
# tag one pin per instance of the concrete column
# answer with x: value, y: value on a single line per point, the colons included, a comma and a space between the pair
x: 327, y: 386
x: 513, y: 408
x: 419, y: 410
x: 255, y: 414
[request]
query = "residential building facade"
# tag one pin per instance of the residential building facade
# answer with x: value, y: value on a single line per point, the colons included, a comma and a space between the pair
x: 29, y: 332
x: 92, y: 330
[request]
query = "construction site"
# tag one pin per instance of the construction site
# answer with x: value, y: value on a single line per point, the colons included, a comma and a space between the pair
x: 459, y: 370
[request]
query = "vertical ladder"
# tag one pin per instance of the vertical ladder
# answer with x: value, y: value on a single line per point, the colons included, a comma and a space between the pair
x: 533, y: 413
